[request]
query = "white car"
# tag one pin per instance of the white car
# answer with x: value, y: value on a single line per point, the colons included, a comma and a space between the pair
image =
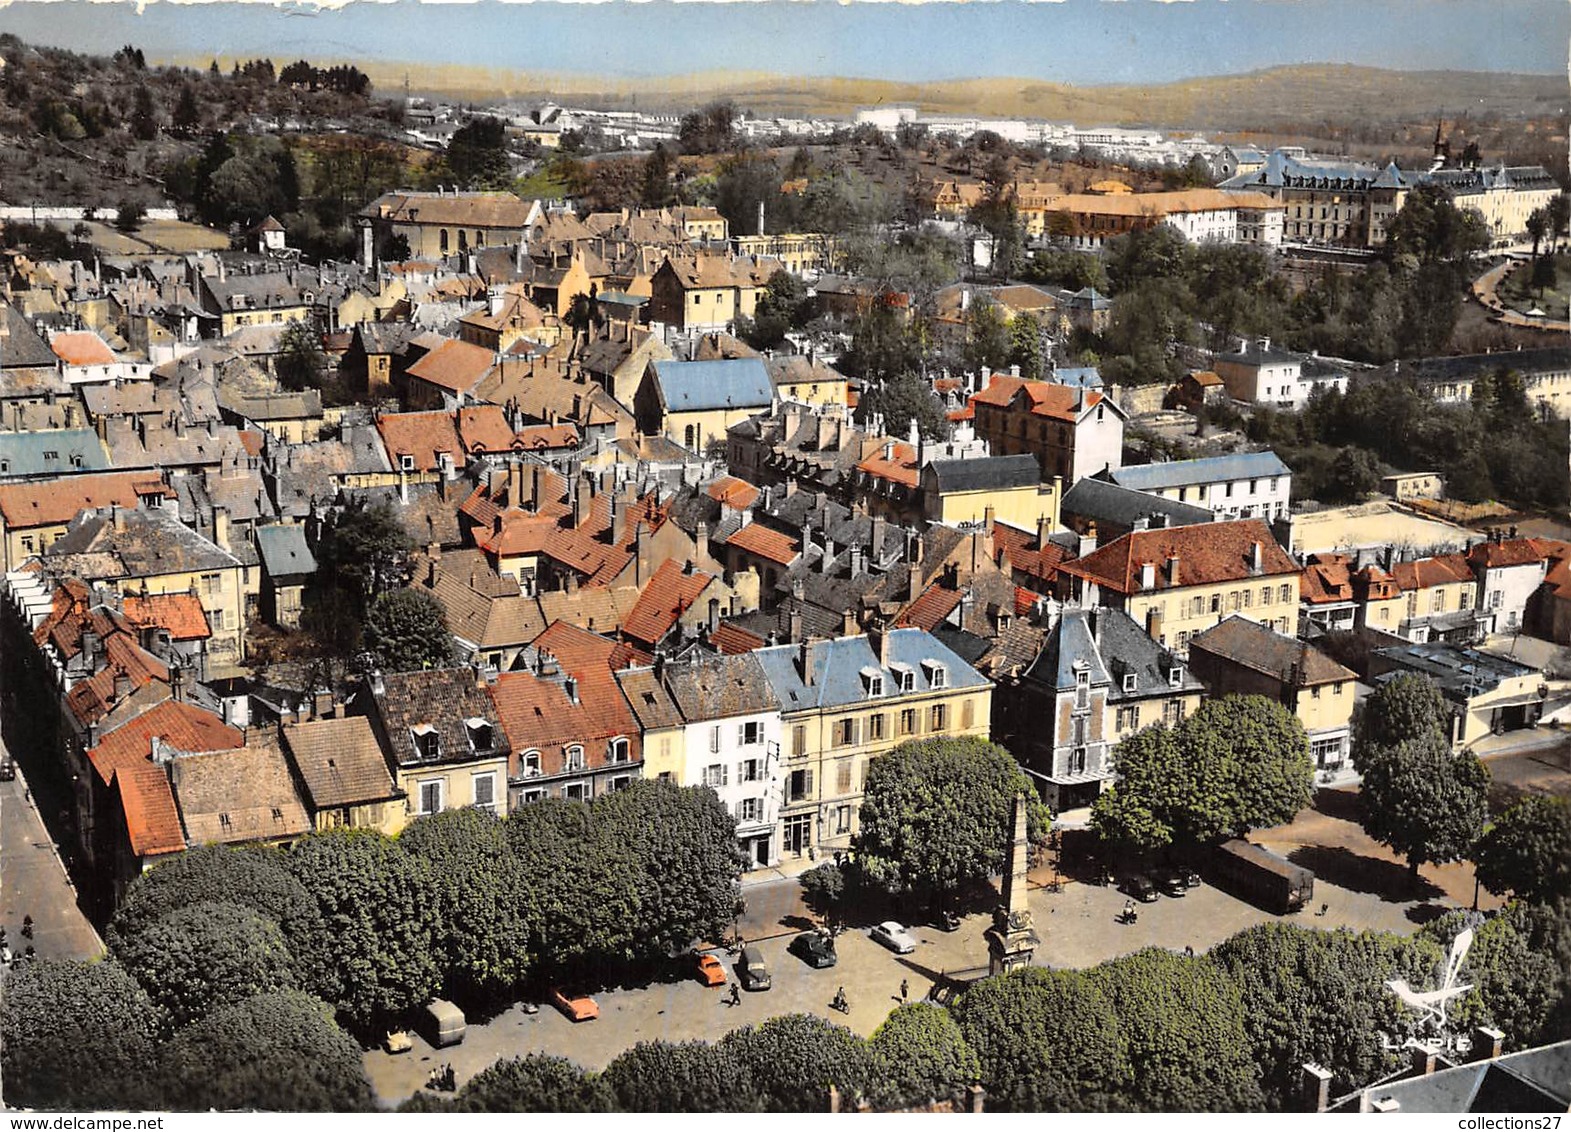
x: 895, y: 937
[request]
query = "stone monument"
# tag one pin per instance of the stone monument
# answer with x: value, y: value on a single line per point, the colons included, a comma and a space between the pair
x: 1012, y: 939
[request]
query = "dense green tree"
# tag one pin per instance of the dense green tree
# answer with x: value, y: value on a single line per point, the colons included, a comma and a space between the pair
x: 1545, y: 276
x: 988, y: 340
x: 1516, y: 983
x: 1421, y: 800
x: 824, y: 889
x: 477, y: 154
x: 1408, y: 707
x: 375, y: 899
x: 301, y: 361
x: 920, y: 1055
x: 1182, y: 1025
x: 363, y: 549
x: 406, y: 630
x: 273, y: 1052
x: 1430, y: 228
x: 144, y: 118
x: 583, y: 892
x: 709, y: 129
x: 663, y: 1076
x: 883, y: 347
x: 1025, y: 346
x: 938, y: 814
x: 1354, y: 474
x: 1073, y: 271
x: 794, y: 1059
x: 841, y: 202
x: 1047, y: 1041
x: 1315, y: 996
x: 254, y: 876
x: 188, y: 111
x: 1239, y: 763
x: 688, y: 867
x: 537, y: 1082
x: 1559, y: 209
x: 207, y: 955
x: 75, y: 1036
x: 744, y: 181
x: 901, y: 400
x: 1528, y: 850
x: 782, y: 306
x: 129, y: 215
x: 657, y: 190
x: 480, y: 897
x: 1537, y: 225
x: 916, y: 263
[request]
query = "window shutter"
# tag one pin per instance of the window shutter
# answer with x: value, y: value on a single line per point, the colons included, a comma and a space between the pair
x: 807, y: 783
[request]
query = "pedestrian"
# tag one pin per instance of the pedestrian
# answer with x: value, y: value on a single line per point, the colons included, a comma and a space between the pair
x: 905, y: 990
x: 736, y: 995
x: 1189, y: 951
x: 27, y: 927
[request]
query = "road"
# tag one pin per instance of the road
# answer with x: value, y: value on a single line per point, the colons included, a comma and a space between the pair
x: 33, y: 882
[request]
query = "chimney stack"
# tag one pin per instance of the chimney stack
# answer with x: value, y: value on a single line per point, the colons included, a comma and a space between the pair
x: 1315, y: 1085
x: 1148, y: 575
x: 1172, y: 569
x: 1487, y: 1044
x: 1256, y: 557
x: 122, y: 684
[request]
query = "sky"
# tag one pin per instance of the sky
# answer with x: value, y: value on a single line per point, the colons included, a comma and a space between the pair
x: 1084, y: 42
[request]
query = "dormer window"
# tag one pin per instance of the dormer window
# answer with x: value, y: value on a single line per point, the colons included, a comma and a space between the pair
x: 531, y: 764
x: 406, y: 463
x: 937, y: 675
x: 480, y: 735
x: 905, y: 678
x: 1175, y: 677
x: 573, y: 758
x: 618, y: 750
x: 1131, y: 682
x: 873, y: 681
x: 428, y: 744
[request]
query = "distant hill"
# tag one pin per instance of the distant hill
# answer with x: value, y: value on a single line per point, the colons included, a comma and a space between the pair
x: 1277, y: 98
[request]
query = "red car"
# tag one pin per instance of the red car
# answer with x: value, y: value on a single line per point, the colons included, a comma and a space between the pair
x: 578, y: 1007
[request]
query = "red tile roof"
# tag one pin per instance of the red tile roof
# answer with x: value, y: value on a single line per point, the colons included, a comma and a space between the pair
x: 1326, y: 578
x: 182, y: 725
x: 669, y: 594
x: 1207, y: 554
x: 1025, y: 600
x: 732, y: 639
x: 900, y: 466
x: 180, y: 613
x: 1039, y: 398
x: 537, y: 714
x: 53, y: 502
x: 733, y: 492
x: 91, y: 699
x: 421, y: 435
x: 766, y: 543
x: 152, y: 820
x: 929, y: 609
x: 455, y: 366
x: 1508, y: 552
x: 1024, y: 555
x: 1441, y: 570
x: 484, y: 428
x: 81, y: 348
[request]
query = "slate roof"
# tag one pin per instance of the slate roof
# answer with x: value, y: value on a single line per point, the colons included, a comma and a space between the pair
x: 1215, y: 552
x: 53, y: 453
x: 1121, y: 506
x: 990, y: 473
x: 20, y: 345
x: 339, y: 762
x: 121, y: 542
x: 1466, y: 367
x: 719, y: 687
x: 1112, y: 646
x: 438, y: 699
x: 284, y: 551
x: 1210, y: 469
x: 837, y: 666
x: 741, y: 383
x: 1255, y: 355
x: 1254, y: 646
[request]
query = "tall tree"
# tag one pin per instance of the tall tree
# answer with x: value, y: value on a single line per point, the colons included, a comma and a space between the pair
x: 363, y: 549
x: 1025, y: 346
x: 920, y: 1055
x: 1528, y: 851
x: 273, y: 1052
x: 537, y: 1082
x: 75, y: 1036
x: 477, y: 154
x: 205, y: 956
x: 1421, y: 800
x: 406, y: 630
x: 938, y: 814
x: 657, y: 189
x: 1182, y: 1022
x: 480, y: 899
x: 795, y: 1058
x: 301, y: 360
x: 661, y: 1076
x: 375, y: 898
x: 1047, y: 1041
x: 1320, y: 997
x: 988, y: 341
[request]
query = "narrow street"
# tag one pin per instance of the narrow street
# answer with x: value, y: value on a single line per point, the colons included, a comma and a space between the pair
x: 33, y: 882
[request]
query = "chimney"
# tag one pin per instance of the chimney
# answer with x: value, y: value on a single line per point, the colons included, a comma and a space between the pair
x: 122, y: 684
x: 826, y: 564
x: 1087, y: 541
x: 1154, y: 623
x: 1487, y: 1044
x: 880, y: 532
x: 221, y: 526
x: 804, y: 661
x: 848, y: 624
x: 177, y: 682
x: 322, y: 703
x: 1255, y: 557
x: 1148, y: 575
x: 1315, y: 1087
x: 90, y: 642
x: 1044, y: 528
x: 515, y: 484
x: 1425, y: 1057
x: 794, y: 624
x: 1172, y: 569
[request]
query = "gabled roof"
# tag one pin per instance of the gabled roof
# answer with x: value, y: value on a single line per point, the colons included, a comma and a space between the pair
x: 439, y: 701
x: 1208, y: 554
x: 181, y: 725
x: 1040, y: 398
x: 180, y: 613
x: 1494, y: 555
x: 152, y: 820
x: 987, y: 473
x: 421, y: 435
x: 735, y: 493
x: 454, y: 365
x: 121, y: 542
x: 838, y: 665
x: 20, y: 345
x: 339, y: 762
x: 719, y: 687
x: 650, y: 702
x: 764, y: 542
x: 1252, y: 645
x: 284, y: 551
x: 670, y: 593
x: 1211, y: 469
x: 52, y: 502
x: 1438, y: 570
x: 1120, y: 506
x: 931, y: 608
x: 238, y: 794
x: 740, y: 383
x: 81, y: 348
x: 56, y: 452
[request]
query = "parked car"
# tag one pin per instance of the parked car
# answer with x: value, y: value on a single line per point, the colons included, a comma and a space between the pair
x: 709, y: 970
x: 7, y: 770
x: 1191, y: 877
x: 1170, y: 881
x: 1140, y: 887
x: 894, y: 936
x: 578, y: 1007
x: 947, y: 921
x: 816, y: 949
x: 751, y: 970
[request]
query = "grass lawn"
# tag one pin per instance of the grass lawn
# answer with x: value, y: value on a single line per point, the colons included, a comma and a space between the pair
x: 173, y: 236
x: 1516, y: 293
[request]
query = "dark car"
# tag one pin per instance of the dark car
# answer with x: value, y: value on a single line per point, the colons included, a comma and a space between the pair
x: 1170, y: 881
x: 1140, y: 887
x: 7, y: 770
x: 816, y: 949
